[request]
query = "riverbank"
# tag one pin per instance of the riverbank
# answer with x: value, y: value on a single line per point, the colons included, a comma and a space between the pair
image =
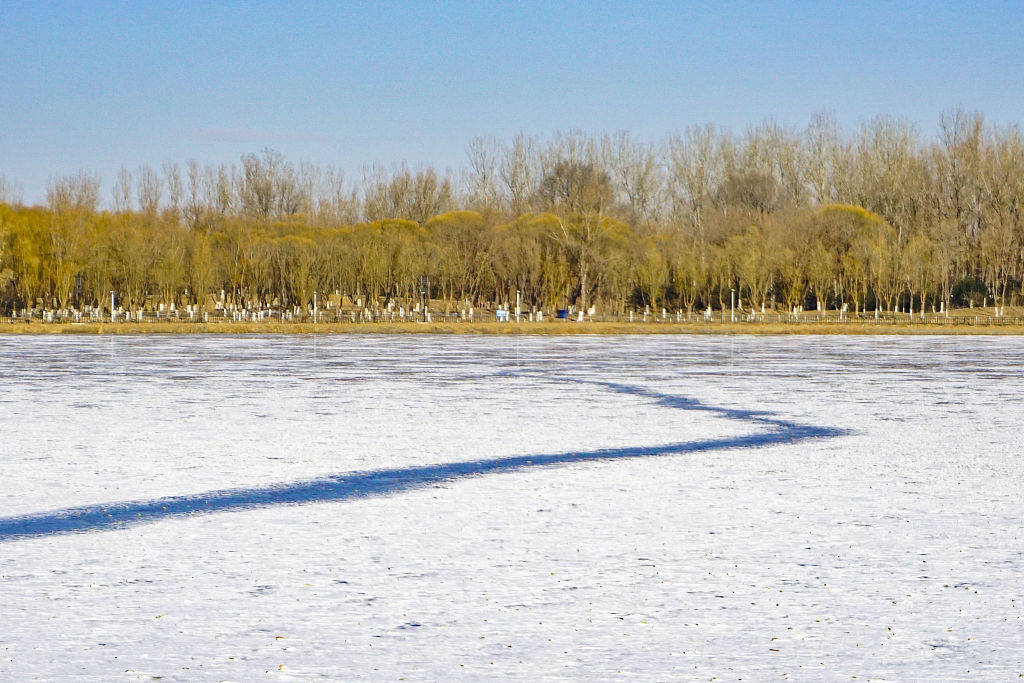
x: 856, y: 327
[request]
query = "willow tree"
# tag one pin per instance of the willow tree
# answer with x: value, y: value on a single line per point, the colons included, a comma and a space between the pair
x: 519, y: 253
x: 790, y: 277
x: 688, y: 266
x: 651, y: 270
x: 69, y: 233
x: 462, y: 243
x: 588, y: 241
x: 751, y: 263
x: 5, y: 272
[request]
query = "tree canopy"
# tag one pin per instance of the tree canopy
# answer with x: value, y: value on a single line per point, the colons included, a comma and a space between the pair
x: 873, y: 219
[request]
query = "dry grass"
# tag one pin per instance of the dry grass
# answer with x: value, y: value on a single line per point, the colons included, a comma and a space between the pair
x: 542, y: 328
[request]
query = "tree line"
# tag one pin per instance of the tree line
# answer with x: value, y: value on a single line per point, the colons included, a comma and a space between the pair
x: 880, y: 218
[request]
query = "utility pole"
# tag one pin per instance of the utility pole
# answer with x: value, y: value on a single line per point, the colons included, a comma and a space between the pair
x: 424, y: 287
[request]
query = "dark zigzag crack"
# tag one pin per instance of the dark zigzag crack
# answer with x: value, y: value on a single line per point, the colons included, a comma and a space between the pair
x: 384, y: 482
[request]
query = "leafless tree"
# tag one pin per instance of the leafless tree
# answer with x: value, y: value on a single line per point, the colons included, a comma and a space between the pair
x: 637, y: 175
x: 172, y: 179
x: 518, y: 174
x: 149, y: 190
x: 482, y: 174
x: 695, y: 165
x: 10, y: 192
x: 80, y: 192
x: 122, y: 194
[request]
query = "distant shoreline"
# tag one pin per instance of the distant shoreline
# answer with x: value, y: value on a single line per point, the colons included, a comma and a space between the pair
x: 513, y: 328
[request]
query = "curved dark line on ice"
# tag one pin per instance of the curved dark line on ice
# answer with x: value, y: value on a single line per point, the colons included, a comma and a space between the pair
x: 383, y: 482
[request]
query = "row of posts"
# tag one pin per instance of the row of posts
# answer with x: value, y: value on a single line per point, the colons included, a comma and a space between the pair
x: 425, y: 314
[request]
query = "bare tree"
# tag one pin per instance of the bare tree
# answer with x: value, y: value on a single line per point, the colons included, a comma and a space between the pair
x: 404, y: 194
x: 195, y: 207
x: 518, y: 174
x: 122, y: 194
x: 256, y: 184
x: 482, y: 180
x: 695, y: 170
x: 574, y: 187
x: 219, y: 189
x: 149, y: 190
x: 957, y: 164
x: 337, y: 202
x: 822, y: 150
x: 80, y: 192
x: 636, y: 173
x: 886, y: 173
x: 10, y: 192
x: 172, y: 178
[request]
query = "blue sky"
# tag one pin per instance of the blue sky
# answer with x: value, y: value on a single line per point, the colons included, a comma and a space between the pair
x: 94, y: 85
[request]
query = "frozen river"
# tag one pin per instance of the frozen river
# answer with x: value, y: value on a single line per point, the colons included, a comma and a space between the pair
x: 557, y: 507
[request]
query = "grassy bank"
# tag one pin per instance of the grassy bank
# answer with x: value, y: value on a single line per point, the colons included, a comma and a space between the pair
x: 543, y: 328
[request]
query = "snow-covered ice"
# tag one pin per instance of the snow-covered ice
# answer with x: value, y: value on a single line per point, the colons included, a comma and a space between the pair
x: 558, y: 507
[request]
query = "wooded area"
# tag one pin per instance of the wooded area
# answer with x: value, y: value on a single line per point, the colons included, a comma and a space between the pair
x: 879, y: 219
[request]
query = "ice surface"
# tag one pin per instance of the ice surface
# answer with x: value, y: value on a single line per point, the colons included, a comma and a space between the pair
x: 659, y: 507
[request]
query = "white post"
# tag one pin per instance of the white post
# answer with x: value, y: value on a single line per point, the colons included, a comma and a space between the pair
x: 517, y: 305
x: 314, y: 308
x: 732, y: 306
x: 111, y: 305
